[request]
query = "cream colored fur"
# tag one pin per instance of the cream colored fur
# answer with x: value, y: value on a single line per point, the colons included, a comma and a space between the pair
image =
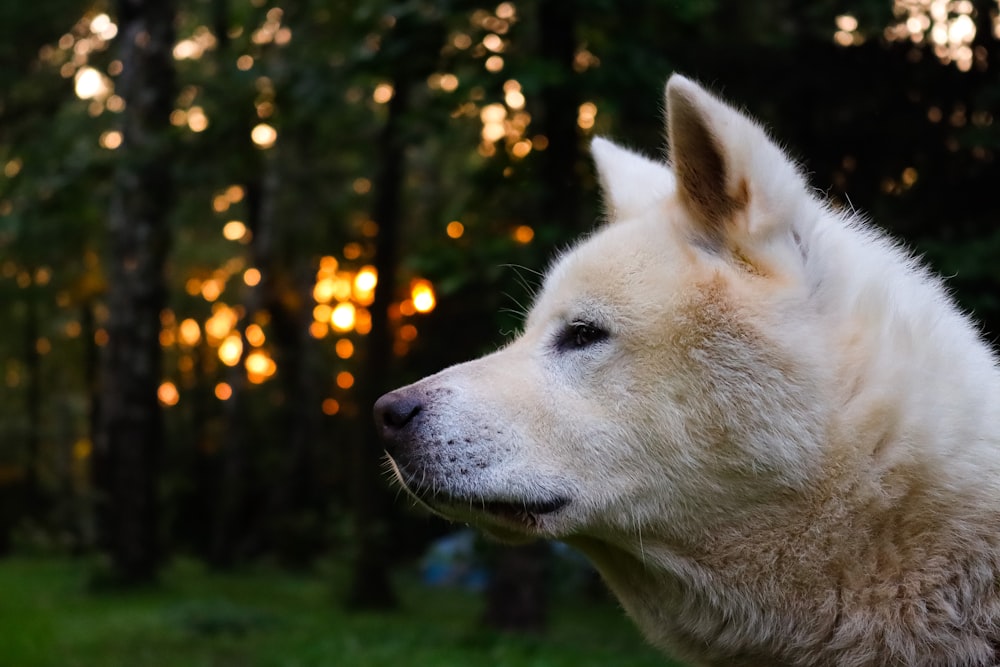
x: 778, y: 440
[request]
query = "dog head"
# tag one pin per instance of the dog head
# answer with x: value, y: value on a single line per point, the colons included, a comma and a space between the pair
x: 658, y: 383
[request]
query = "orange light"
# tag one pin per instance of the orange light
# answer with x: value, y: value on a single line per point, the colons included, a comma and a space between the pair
x: 331, y: 407
x: 327, y: 264
x: 383, y: 93
x: 259, y: 366
x: 168, y: 394
x: 263, y: 135
x: 319, y: 329
x: 342, y: 286
x: 364, y: 286
x: 521, y: 148
x: 211, y: 290
x: 407, y: 332
x: 586, y: 115
x: 514, y: 99
x: 255, y: 335
x: 493, y: 42
x: 223, y: 391
x: 352, y: 250
x: 344, y: 348
x: 363, y: 323
x: 423, y: 296
x: 231, y: 350
x: 322, y: 313
x: 364, y: 298
x: 323, y: 290
x: 257, y: 362
x: 234, y: 230
x: 343, y: 317
x: 366, y: 279
x: 524, y: 234
x: 251, y: 277
x: 455, y: 229
x: 345, y: 380
x: 190, y: 332
x: 196, y: 119
x: 111, y: 139
x: 220, y: 323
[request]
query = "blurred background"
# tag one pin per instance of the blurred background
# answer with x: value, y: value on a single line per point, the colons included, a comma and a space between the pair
x: 227, y: 226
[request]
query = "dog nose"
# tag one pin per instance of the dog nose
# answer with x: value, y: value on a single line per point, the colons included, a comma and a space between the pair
x: 394, y: 412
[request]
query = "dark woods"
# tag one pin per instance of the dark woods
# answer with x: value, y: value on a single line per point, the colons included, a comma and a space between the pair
x: 226, y: 226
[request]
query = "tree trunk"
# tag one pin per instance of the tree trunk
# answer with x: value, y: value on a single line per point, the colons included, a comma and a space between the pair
x: 282, y: 523
x: 130, y: 433
x: 234, y: 533
x: 232, y: 475
x: 560, y: 201
x: 33, y: 495
x: 371, y: 587
x: 87, y: 523
x: 410, y: 55
x: 517, y: 596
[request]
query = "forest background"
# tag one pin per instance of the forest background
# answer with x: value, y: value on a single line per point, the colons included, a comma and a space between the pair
x: 226, y: 226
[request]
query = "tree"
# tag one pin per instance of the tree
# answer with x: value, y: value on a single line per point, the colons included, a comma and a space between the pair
x: 35, y: 139
x: 410, y: 56
x: 130, y: 439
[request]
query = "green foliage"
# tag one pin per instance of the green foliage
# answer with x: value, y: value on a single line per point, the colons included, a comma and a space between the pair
x: 263, y: 618
x: 212, y: 618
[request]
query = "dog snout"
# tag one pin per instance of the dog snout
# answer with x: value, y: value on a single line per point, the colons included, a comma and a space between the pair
x: 394, y: 414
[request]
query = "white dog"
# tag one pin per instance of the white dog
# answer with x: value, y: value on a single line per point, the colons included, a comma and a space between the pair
x: 771, y: 431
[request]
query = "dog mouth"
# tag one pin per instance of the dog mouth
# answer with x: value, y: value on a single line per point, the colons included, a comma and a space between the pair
x: 522, y: 513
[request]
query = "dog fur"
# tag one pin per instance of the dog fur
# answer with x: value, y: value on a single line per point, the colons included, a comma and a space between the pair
x: 769, y: 428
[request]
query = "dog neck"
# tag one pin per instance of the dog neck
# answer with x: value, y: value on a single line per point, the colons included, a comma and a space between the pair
x: 823, y: 574
x: 678, y: 604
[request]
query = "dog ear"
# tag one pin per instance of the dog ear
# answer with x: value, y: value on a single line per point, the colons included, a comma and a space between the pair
x: 631, y: 183
x: 726, y: 166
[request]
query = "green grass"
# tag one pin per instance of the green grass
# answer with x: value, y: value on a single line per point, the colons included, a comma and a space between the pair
x: 265, y: 618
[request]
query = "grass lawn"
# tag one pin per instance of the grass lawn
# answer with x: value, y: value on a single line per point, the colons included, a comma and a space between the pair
x: 266, y: 618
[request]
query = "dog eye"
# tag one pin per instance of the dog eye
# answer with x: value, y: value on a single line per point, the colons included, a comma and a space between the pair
x: 578, y: 335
